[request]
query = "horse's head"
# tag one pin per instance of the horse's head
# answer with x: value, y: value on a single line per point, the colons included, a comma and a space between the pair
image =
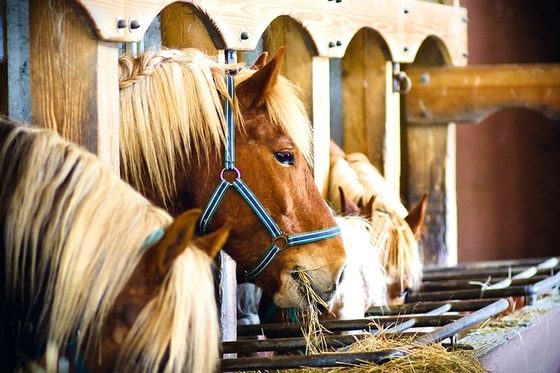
x: 173, y: 133
x: 273, y: 156
x: 400, y: 254
x: 166, y: 314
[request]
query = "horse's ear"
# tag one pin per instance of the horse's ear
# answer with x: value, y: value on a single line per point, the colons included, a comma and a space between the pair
x: 415, y: 217
x: 367, y: 210
x: 175, y: 240
x: 347, y: 206
x: 213, y: 242
x: 335, y: 153
x: 260, y: 62
x: 252, y: 92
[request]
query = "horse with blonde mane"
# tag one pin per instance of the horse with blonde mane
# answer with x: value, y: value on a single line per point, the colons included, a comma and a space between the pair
x: 90, y: 267
x: 363, y: 285
x: 191, y: 128
x: 397, y: 230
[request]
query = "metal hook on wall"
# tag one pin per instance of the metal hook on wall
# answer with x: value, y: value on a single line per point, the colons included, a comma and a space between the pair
x: 401, y: 81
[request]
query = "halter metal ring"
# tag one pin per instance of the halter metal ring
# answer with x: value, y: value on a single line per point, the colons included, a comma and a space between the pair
x: 235, y: 169
x: 281, y: 241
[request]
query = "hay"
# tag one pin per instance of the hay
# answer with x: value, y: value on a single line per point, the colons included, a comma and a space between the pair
x: 312, y: 330
x: 432, y: 358
x: 425, y: 359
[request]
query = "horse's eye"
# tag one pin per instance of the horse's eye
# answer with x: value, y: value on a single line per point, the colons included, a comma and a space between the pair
x: 285, y: 158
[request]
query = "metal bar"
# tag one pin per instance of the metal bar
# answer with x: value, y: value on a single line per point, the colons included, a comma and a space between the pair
x: 287, y: 344
x: 421, y: 307
x: 468, y: 283
x: 451, y: 329
x: 512, y: 291
x: 298, y: 361
x: 369, y: 324
x: 483, y: 273
x: 410, y: 323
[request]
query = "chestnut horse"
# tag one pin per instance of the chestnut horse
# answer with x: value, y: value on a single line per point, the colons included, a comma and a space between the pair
x: 90, y: 267
x: 191, y: 128
x: 397, y: 230
x: 362, y: 286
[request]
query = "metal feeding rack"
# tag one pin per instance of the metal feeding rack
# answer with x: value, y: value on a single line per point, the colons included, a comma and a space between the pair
x: 450, y: 302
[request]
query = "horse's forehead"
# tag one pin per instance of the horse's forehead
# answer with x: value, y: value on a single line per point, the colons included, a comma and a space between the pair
x: 259, y: 126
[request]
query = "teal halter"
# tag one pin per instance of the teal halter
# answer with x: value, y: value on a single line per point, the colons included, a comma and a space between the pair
x: 280, y: 240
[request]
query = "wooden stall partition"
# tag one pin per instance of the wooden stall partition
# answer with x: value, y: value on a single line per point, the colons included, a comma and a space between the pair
x: 429, y: 166
x: 364, y: 96
x: 73, y: 78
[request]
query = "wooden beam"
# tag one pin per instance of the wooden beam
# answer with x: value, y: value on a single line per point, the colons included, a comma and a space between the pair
x: 404, y: 24
x: 470, y: 94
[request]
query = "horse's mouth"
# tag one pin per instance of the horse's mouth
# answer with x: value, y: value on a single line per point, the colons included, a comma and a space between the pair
x: 311, y: 293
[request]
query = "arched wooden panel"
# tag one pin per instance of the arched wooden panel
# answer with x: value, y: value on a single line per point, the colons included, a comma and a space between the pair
x: 363, y: 95
x: 182, y: 26
x: 331, y: 24
x: 297, y: 63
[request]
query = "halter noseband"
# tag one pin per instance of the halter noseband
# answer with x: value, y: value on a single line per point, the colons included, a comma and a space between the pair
x: 280, y: 240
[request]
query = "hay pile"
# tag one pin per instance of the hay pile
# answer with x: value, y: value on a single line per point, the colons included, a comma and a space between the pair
x: 426, y: 359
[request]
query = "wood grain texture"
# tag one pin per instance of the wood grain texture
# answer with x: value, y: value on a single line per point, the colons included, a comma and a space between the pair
x: 425, y: 155
x: 321, y: 120
x: 404, y: 25
x: 363, y: 97
x: 470, y: 94
x: 181, y: 27
x: 74, y: 87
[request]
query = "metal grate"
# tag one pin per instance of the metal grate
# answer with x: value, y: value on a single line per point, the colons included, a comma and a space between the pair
x: 450, y: 301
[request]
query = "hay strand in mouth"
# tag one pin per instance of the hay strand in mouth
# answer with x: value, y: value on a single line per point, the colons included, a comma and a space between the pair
x: 312, y: 330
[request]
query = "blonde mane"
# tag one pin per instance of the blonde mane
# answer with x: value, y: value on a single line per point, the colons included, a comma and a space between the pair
x: 363, y: 284
x: 360, y: 181
x: 171, y: 107
x: 74, y: 231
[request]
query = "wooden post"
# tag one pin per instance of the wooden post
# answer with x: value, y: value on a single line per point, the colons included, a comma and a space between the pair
x: 321, y: 120
x: 74, y: 85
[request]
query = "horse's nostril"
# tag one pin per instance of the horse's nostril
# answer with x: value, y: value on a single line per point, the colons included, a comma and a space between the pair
x: 296, y: 273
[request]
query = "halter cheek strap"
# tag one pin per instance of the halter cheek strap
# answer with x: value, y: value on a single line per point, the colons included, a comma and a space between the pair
x: 280, y: 241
